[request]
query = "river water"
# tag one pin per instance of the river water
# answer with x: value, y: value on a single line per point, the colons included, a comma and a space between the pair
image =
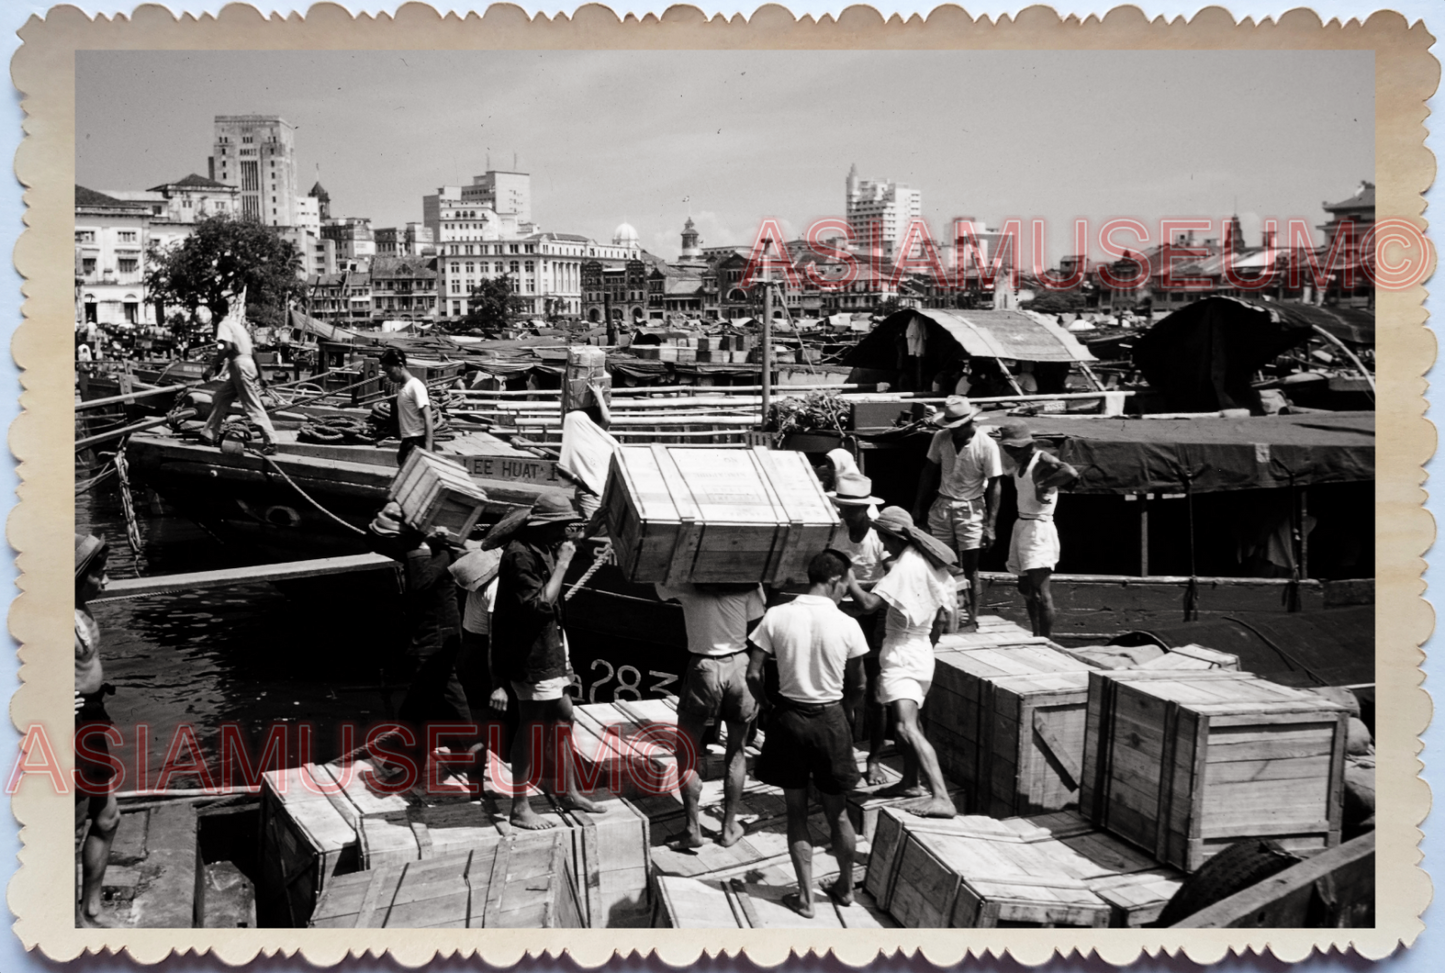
x: 245, y: 655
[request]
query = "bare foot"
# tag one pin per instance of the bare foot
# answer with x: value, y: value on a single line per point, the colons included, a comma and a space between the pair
x: 875, y: 777
x: 576, y: 802
x: 799, y: 904
x: 938, y: 807
x: 901, y: 789
x: 84, y: 921
x: 525, y: 817
x: 691, y: 840
x: 731, y: 835
x: 840, y: 892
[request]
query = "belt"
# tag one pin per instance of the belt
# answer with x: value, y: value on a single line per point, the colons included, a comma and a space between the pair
x: 725, y: 655
x: 1043, y: 520
x: 806, y: 709
x: 946, y: 497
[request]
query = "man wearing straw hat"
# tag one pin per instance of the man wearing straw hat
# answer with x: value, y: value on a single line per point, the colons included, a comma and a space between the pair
x: 94, y: 792
x: 1033, y: 548
x: 530, y: 643
x: 964, y: 469
x: 918, y: 590
x: 243, y: 380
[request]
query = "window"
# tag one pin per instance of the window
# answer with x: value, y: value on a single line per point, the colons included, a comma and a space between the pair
x: 515, y: 268
x: 469, y: 249
x: 497, y: 250
x: 499, y: 267
x: 126, y: 236
x: 127, y: 265
x: 84, y: 236
x: 456, y: 287
x: 531, y: 267
x: 132, y: 311
x: 87, y: 267
x: 250, y: 176
x: 470, y: 267
x: 512, y: 248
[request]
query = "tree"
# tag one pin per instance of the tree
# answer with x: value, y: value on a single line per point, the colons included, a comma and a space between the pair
x: 886, y: 307
x: 221, y: 257
x: 493, y: 304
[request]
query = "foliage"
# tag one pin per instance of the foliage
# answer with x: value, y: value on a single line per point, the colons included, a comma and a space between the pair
x: 886, y: 307
x: 1056, y: 302
x: 814, y: 412
x: 493, y: 305
x: 221, y: 257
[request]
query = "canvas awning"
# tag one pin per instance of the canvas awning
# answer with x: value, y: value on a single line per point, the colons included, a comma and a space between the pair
x: 1012, y: 335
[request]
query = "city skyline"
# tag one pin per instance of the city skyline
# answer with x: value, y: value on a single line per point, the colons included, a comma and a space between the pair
x: 732, y: 138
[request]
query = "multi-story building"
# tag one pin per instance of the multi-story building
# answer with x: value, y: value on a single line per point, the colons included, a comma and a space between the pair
x: 341, y: 298
x: 257, y: 154
x: 308, y: 214
x: 323, y: 200
x: 1359, y: 212
x: 355, y: 241
x: 111, y: 238
x: 621, y: 291
x: 503, y: 197
x: 411, y: 240
x: 403, y: 288
x: 890, y: 206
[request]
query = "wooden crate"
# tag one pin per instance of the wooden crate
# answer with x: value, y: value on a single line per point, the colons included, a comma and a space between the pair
x: 509, y: 885
x: 586, y: 366
x: 611, y: 862
x: 437, y: 492
x: 1048, y: 870
x: 689, y: 903
x: 1007, y: 722
x: 1184, y: 763
x: 679, y: 514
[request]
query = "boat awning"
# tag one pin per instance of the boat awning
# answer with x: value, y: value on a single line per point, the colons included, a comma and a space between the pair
x: 309, y: 325
x: 1013, y: 335
x: 1114, y: 455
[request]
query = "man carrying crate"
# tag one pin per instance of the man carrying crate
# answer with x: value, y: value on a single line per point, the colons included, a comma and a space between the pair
x: 412, y: 408
x: 714, y: 686
x: 818, y: 649
x: 1033, y: 549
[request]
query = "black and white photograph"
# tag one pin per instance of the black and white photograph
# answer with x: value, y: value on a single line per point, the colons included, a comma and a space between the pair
x: 581, y: 489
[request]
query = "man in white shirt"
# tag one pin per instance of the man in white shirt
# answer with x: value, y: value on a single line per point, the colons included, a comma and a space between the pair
x: 962, y: 478
x: 234, y: 354
x: 414, y: 423
x: 715, y: 687
x: 817, y: 648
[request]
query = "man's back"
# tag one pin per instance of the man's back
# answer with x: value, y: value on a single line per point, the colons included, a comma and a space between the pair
x: 812, y: 641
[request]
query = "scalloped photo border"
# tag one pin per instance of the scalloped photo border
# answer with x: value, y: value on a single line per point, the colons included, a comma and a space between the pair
x: 41, y: 525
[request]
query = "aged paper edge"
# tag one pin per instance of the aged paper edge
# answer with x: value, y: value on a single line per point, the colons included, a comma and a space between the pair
x: 41, y: 524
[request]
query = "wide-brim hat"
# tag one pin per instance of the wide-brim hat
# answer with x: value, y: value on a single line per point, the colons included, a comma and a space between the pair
x: 553, y: 509
x: 956, y: 411
x: 88, y: 549
x: 896, y: 522
x: 389, y: 521
x: 853, y: 490
x: 1014, y: 434
x: 476, y: 568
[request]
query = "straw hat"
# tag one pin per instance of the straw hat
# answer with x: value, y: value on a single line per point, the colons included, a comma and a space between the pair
x: 476, y: 569
x: 956, y: 411
x: 552, y: 509
x: 388, y: 521
x: 896, y: 522
x: 854, y: 490
x: 88, y: 549
x: 1014, y: 434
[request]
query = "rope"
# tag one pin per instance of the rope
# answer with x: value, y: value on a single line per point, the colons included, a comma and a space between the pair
x: 1191, y: 592
x: 95, y: 481
x: 309, y: 499
x: 604, y: 554
x: 132, y: 524
x: 1291, y: 660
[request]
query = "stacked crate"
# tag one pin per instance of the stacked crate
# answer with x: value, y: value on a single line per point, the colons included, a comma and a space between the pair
x: 1007, y: 721
x: 1049, y: 870
x: 1185, y: 763
x: 436, y: 492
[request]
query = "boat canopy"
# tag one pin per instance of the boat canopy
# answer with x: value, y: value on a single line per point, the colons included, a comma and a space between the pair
x: 319, y: 329
x: 1204, y: 356
x: 1013, y: 335
x: 1211, y: 453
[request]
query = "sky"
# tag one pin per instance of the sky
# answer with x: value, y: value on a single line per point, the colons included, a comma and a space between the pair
x: 730, y: 138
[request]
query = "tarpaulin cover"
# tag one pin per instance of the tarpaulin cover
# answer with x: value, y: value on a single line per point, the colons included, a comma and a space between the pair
x: 1119, y: 455
x: 1204, y: 356
x: 976, y: 334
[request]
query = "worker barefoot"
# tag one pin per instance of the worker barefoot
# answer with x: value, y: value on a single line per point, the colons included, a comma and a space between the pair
x: 96, y: 810
x: 1034, y: 545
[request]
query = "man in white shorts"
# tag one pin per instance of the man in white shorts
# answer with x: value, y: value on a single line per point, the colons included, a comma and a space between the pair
x: 918, y: 590
x: 964, y: 468
x: 1033, y: 549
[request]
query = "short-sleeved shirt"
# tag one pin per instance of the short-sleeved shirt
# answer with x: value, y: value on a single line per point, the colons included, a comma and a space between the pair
x: 717, y: 622
x: 966, y: 471
x: 867, y: 555
x: 812, y: 640
x: 477, y: 611
x: 409, y: 402
x: 232, y: 331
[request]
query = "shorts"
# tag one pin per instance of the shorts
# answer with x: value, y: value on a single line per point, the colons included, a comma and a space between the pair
x: 809, y: 744
x: 1034, y: 544
x: 96, y: 773
x: 957, y: 523
x: 541, y: 692
x: 716, y: 687
x: 907, y: 671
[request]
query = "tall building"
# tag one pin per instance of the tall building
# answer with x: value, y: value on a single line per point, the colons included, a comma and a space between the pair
x: 889, y: 205
x: 692, y: 254
x: 111, y: 237
x: 503, y: 198
x: 257, y: 154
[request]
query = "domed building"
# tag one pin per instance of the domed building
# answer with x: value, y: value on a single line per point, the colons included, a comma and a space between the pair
x: 625, y: 236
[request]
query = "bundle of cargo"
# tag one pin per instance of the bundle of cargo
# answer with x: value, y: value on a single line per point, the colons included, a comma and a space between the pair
x: 512, y: 884
x: 586, y: 369
x: 1151, y: 656
x: 678, y: 514
x: 1050, y: 870
x: 1184, y: 763
x: 1007, y: 722
x: 436, y: 492
x: 689, y: 903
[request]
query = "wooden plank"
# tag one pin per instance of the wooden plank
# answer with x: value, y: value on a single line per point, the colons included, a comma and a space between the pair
x: 122, y: 588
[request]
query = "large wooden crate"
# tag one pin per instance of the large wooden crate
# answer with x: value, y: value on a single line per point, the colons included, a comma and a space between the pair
x: 1185, y: 763
x: 679, y: 514
x: 437, y: 492
x: 507, y: 885
x: 586, y: 366
x: 1049, y: 870
x: 1007, y: 722
x: 689, y: 903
